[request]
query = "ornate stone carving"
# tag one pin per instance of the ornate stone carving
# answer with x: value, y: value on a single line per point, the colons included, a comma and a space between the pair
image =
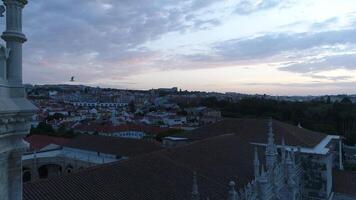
x: 15, y: 110
x: 14, y: 124
x: 2, y: 10
x: 279, y: 181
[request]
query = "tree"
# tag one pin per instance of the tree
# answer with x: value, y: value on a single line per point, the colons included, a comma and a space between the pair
x: 318, y: 115
x: 42, y: 129
x: 56, y: 116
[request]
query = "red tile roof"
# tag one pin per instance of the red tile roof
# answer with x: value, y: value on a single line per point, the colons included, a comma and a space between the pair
x: 224, y: 154
x: 344, y: 182
x: 161, y: 175
x: 255, y: 129
x: 109, y: 128
x: 113, y: 145
x: 39, y: 141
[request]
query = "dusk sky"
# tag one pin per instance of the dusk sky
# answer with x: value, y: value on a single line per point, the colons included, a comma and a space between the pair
x: 278, y: 47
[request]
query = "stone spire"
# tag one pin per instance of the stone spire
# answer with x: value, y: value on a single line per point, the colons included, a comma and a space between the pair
x: 290, y: 169
x: 263, y: 184
x: 195, y: 191
x: 299, y: 125
x: 263, y: 175
x: 256, y: 164
x: 293, y: 156
x: 15, y: 110
x: 289, y: 160
x: 283, y: 150
x: 232, y: 192
x: 271, y: 150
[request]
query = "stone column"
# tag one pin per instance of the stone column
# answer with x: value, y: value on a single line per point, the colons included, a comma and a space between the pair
x: 15, y: 174
x: 341, y: 165
x: 14, y: 39
x: 3, y: 176
x: 15, y: 110
x: 34, y: 168
x: 4, y: 53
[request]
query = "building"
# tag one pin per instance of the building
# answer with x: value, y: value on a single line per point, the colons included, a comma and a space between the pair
x: 39, y: 142
x: 203, y: 115
x: 15, y: 110
x: 73, y: 155
x: 210, y: 116
x: 134, y: 131
x: 99, y: 104
x: 262, y: 166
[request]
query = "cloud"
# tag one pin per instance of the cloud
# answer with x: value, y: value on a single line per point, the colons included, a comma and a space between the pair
x: 246, y: 7
x: 101, y: 37
x: 275, y: 44
x: 325, y: 24
x: 103, y: 41
x: 307, y: 53
x: 343, y: 61
x: 331, y: 78
x: 308, y: 88
x: 313, y: 85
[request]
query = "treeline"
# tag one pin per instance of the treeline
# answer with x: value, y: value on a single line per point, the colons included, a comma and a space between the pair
x: 323, y: 116
x: 46, y: 129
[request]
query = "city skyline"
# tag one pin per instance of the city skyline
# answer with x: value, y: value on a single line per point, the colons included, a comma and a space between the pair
x: 267, y: 46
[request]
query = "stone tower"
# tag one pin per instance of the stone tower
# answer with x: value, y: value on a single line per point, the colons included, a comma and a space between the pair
x: 15, y: 110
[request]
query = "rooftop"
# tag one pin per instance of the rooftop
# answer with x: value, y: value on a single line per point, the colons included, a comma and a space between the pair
x: 344, y: 182
x: 37, y: 142
x: 222, y: 153
x: 109, y: 128
x: 255, y: 130
x: 113, y: 145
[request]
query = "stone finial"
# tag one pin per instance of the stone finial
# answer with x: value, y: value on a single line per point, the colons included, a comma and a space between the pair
x: 270, y: 130
x: 289, y: 159
x: 263, y: 171
x: 256, y: 163
x: 232, y: 192
x: 271, y: 149
x: 270, y: 126
x: 299, y: 153
x: 195, y: 191
x: 290, y: 169
x: 293, y: 155
x: 256, y: 159
x: 283, y: 141
x: 283, y: 150
x: 300, y: 125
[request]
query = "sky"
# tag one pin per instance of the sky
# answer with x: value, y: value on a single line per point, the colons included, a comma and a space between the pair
x: 277, y: 47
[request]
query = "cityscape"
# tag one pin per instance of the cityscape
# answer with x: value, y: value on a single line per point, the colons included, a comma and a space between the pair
x: 168, y: 100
